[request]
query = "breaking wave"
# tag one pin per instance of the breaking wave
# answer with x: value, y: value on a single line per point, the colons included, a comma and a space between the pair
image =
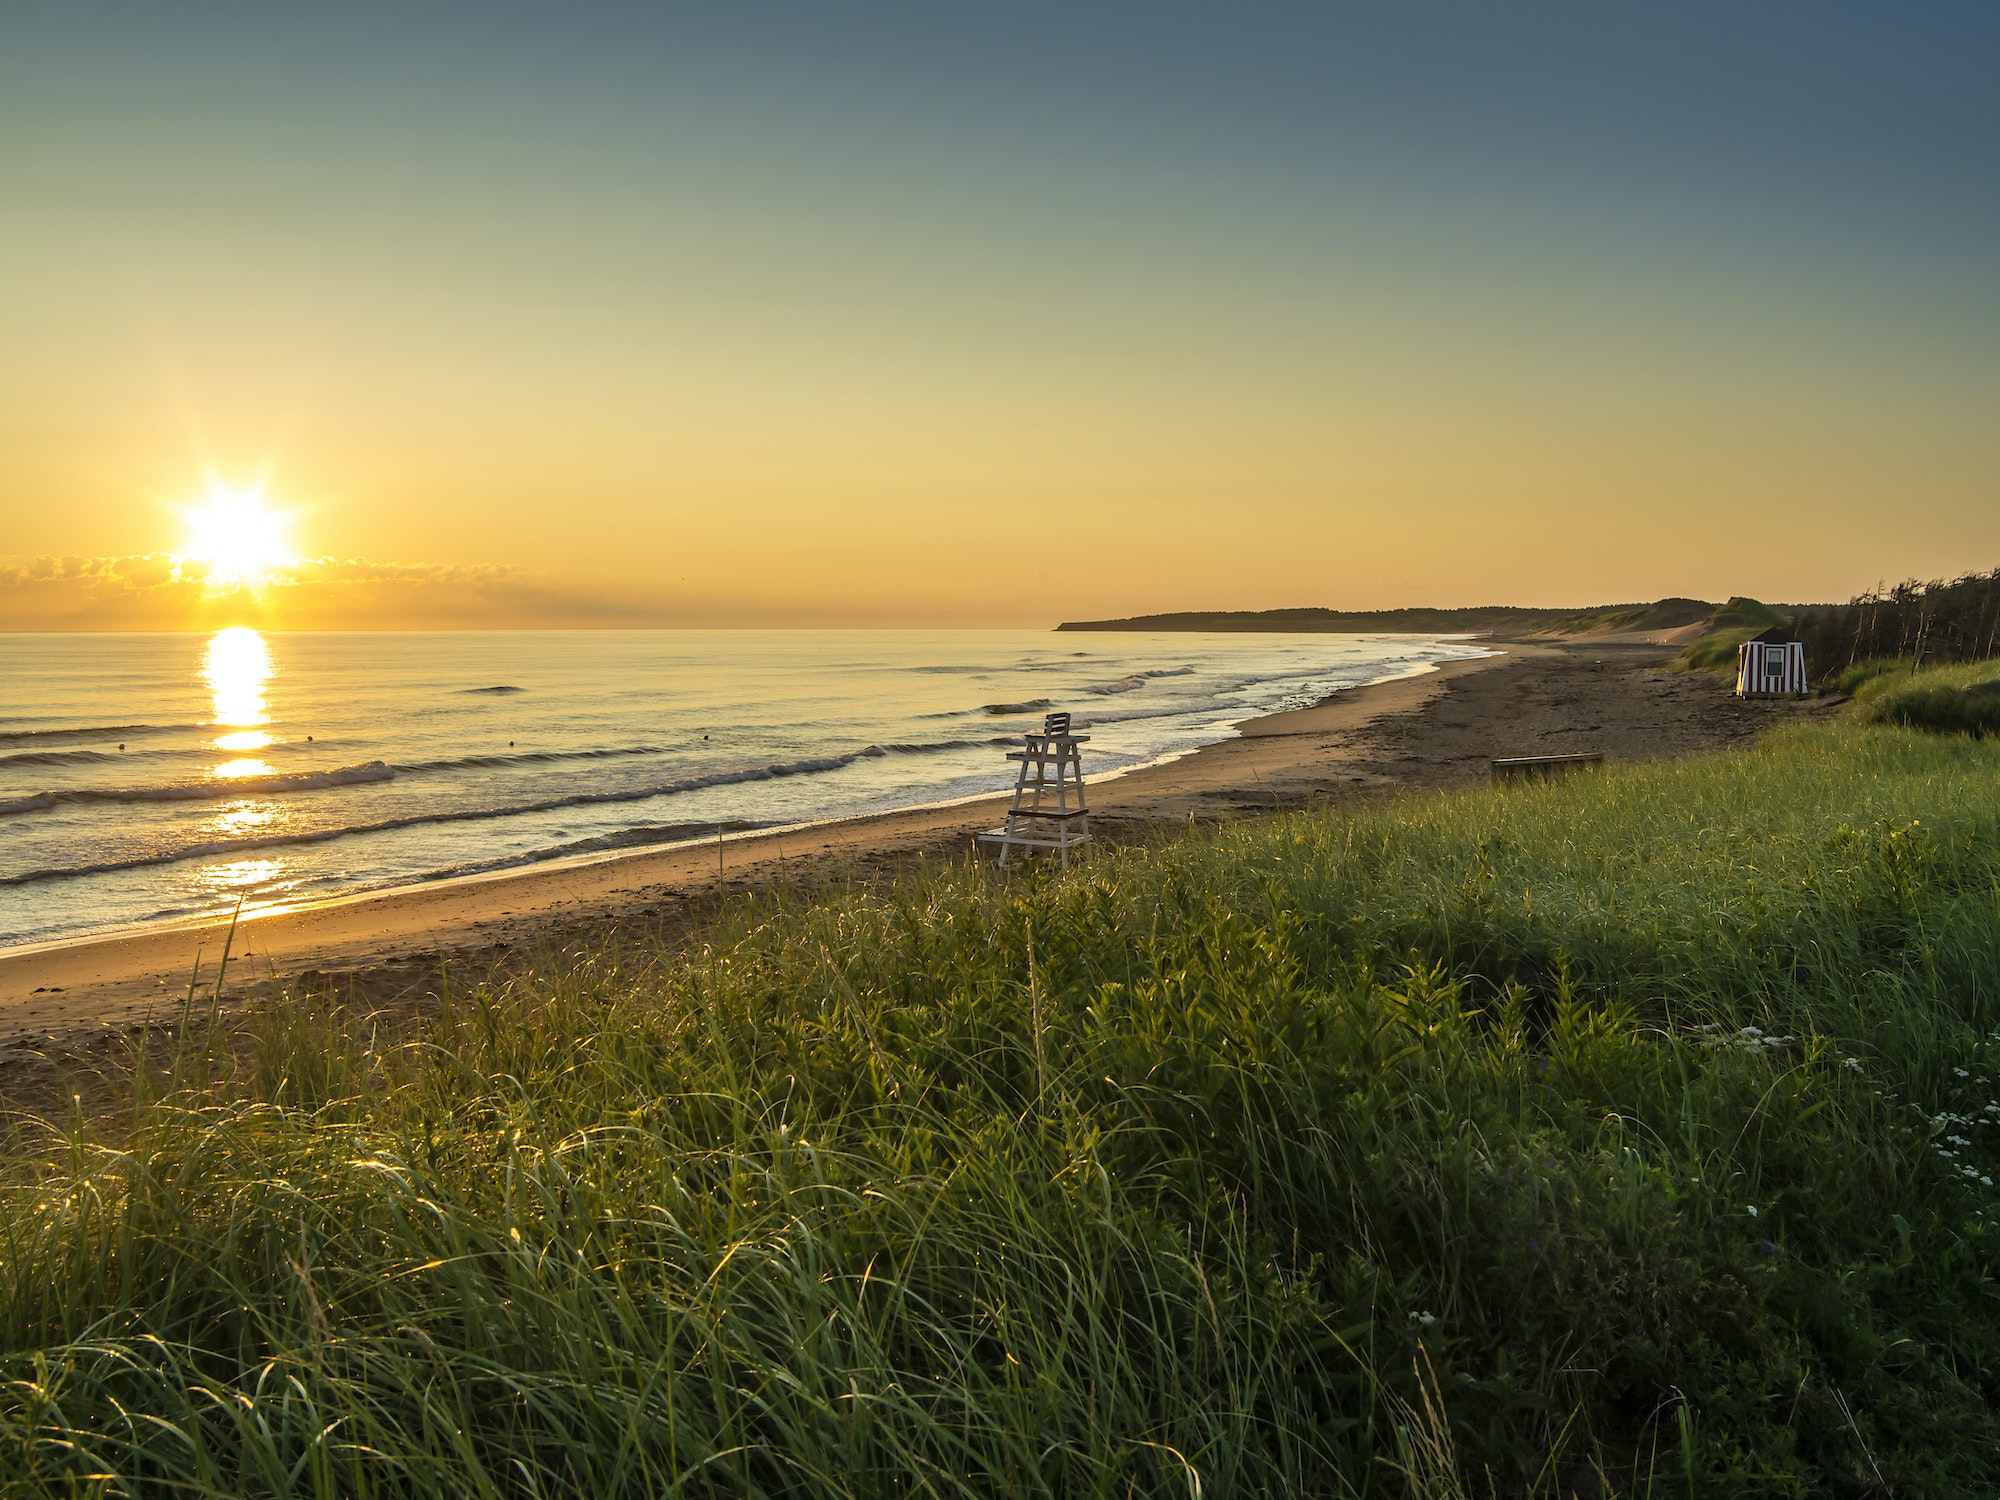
x: 527, y: 758
x: 78, y: 736
x: 627, y: 752
x: 1037, y: 705
x: 215, y: 847
x: 156, y: 752
x: 1138, y: 680
x: 206, y: 791
x: 932, y: 747
x: 625, y: 838
x: 56, y: 757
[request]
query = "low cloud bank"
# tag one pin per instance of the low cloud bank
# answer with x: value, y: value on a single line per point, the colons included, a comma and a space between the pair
x: 159, y: 591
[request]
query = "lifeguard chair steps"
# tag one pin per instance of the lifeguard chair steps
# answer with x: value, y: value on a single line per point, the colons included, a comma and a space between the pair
x: 1048, y: 811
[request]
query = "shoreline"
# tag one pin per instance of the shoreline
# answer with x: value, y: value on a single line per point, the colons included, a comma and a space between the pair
x: 220, y: 918
x: 120, y: 979
x: 1434, y: 731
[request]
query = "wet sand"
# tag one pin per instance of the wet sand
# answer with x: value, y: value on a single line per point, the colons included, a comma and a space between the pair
x: 1433, y: 731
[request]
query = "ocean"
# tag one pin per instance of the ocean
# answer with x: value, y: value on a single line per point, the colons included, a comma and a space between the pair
x: 153, y: 778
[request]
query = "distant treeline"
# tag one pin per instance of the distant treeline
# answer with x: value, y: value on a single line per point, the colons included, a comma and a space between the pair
x: 1935, y: 621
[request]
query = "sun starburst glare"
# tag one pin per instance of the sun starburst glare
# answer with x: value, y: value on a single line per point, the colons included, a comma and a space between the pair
x: 236, y: 535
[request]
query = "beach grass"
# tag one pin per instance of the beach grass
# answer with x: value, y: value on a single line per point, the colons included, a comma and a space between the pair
x: 1963, y: 698
x: 1730, y: 626
x: 1714, y: 652
x: 1622, y: 1135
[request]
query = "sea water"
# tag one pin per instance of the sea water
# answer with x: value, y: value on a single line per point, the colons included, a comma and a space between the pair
x: 149, y: 778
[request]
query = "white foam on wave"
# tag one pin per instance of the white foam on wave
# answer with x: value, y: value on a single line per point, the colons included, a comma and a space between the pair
x: 209, y: 791
x: 212, y: 848
x: 589, y: 737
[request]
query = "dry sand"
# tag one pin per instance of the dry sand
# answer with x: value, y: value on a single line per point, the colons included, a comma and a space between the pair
x: 1436, y: 730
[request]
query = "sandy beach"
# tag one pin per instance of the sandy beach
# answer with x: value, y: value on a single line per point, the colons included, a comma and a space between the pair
x: 1435, y: 730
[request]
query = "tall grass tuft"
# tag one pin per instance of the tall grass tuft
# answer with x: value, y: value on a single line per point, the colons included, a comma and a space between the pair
x: 1625, y: 1135
x: 1962, y: 699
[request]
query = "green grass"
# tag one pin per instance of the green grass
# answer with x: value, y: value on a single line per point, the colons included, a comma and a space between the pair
x: 1852, y: 679
x: 1747, y: 614
x: 1429, y: 1150
x: 1729, y: 627
x: 1960, y: 699
x: 1714, y: 652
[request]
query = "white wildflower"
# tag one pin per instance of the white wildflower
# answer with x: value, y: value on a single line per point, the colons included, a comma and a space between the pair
x: 1854, y: 1063
x: 1961, y: 1072
x: 1422, y: 1319
x: 1753, y: 1210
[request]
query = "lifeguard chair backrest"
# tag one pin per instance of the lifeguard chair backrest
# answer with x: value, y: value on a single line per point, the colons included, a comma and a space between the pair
x: 1055, y: 724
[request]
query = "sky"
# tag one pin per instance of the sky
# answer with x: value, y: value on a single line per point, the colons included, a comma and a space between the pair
x: 940, y: 315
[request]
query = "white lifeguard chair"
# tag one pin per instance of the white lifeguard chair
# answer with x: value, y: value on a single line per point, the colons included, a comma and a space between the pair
x: 1048, y: 810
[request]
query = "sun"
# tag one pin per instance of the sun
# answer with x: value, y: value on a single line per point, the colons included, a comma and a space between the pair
x: 236, y: 535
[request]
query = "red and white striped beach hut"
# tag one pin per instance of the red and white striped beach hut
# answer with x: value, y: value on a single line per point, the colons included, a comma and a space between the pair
x: 1770, y: 667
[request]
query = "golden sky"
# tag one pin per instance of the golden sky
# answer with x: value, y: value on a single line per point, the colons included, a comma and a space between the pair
x: 917, y: 319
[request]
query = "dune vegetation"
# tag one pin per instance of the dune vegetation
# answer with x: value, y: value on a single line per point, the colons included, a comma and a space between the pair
x: 1961, y: 699
x: 1631, y: 1134
x: 1714, y: 650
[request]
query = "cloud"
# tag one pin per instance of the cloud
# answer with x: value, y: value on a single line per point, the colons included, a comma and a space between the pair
x: 161, y: 591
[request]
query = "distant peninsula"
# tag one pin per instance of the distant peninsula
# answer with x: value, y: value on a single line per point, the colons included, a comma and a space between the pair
x: 1664, y: 614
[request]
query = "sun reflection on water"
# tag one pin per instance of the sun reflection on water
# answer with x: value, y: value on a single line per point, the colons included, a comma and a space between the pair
x: 236, y: 667
x: 243, y: 877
